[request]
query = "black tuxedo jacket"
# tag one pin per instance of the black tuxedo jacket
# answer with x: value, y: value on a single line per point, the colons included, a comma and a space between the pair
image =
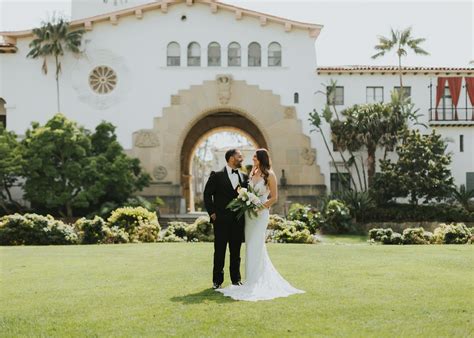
x: 218, y: 193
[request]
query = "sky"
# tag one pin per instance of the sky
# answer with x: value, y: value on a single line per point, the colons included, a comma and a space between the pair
x: 350, y: 28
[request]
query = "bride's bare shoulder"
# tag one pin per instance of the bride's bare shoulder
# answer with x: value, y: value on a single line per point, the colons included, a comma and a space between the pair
x: 271, y: 173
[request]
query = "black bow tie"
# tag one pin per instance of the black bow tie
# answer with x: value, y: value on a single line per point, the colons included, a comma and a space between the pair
x: 235, y: 171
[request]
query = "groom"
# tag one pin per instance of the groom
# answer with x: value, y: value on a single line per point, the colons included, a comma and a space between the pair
x: 221, y: 188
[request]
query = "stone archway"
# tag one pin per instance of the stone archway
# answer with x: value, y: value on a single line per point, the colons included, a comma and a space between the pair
x: 216, y: 120
x: 164, y: 150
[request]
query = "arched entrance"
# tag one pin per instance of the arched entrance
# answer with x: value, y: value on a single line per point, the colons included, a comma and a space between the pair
x: 215, y: 121
x: 165, y: 150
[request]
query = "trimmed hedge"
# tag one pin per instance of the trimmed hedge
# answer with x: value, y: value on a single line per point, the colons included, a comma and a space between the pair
x: 32, y: 229
x: 417, y: 213
x: 445, y: 234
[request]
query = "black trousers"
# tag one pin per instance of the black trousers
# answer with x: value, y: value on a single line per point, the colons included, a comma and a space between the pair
x: 227, y: 232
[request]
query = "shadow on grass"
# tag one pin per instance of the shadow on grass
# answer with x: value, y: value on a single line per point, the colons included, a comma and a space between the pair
x: 204, y: 296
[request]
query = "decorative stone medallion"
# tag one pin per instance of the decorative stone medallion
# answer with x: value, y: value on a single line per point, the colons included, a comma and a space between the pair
x: 160, y: 173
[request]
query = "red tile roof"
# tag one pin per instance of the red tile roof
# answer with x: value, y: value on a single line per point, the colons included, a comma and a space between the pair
x: 361, y: 69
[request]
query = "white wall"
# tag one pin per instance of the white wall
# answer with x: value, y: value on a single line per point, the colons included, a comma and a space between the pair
x: 136, y: 49
x: 355, y: 93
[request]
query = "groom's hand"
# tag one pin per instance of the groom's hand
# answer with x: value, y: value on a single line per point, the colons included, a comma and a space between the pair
x: 213, y: 217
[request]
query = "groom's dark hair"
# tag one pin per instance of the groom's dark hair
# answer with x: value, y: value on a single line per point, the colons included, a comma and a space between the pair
x: 229, y: 153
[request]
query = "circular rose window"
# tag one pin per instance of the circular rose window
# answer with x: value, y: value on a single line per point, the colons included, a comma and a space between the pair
x: 102, y: 80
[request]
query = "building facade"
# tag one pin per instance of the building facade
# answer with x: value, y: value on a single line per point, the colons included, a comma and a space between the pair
x: 169, y: 73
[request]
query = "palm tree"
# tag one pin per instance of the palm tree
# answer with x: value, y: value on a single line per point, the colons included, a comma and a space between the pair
x: 463, y: 196
x: 51, y: 40
x: 401, y: 41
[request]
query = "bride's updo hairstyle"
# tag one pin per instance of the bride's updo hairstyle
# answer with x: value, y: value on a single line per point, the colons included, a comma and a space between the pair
x: 265, y: 165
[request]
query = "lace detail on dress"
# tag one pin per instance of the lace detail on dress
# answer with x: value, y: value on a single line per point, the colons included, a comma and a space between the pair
x: 263, y: 281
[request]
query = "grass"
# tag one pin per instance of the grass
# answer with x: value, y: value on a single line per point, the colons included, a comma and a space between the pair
x: 163, y: 289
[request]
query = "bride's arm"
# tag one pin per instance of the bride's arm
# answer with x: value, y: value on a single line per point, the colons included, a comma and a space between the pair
x: 272, y: 185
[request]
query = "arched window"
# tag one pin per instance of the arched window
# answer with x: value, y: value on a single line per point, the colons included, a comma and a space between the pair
x: 214, y: 54
x: 255, y: 55
x: 3, y: 113
x: 194, y: 54
x: 173, y: 54
x: 274, y: 54
x: 233, y: 55
x: 296, y: 98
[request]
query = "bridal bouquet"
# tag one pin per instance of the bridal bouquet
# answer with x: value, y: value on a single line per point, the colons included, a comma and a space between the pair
x: 247, y: 201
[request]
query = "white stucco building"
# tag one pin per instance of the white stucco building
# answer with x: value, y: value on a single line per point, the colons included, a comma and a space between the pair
x: 367, y: 84
x: 167, y: 73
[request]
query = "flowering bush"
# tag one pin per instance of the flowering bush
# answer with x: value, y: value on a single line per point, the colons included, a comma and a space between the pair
x: 276, y: 222
x: 139, y: 223
x: 307, y: 214
x: 337, y: 217
x: 91, y: 231
x: 201, y: 230
x: 115, y: 235
x: 456, y: 233
x: 33, y: 229
x: 290, y: 234
x: 416, y: 236
x: 386, y: 236
x: 176, y: 232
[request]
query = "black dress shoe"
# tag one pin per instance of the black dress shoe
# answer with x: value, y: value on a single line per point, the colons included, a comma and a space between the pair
x: 239, y: 283
x: 216, y: 286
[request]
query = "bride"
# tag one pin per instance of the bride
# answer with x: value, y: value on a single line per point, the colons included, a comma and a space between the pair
x: 263, y: 281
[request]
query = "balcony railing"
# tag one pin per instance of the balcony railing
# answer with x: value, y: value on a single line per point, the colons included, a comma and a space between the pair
x: 451, y: 114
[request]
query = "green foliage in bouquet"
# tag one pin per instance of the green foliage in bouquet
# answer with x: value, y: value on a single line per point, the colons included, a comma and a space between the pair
x: 247, y: 201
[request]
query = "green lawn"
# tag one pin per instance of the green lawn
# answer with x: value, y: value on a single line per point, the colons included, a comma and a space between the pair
x: 164, y: 289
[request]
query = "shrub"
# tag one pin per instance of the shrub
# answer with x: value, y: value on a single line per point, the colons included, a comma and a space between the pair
x: 307, y: 214
x: 417, y: 213
x: 33, y: 229
x: 115, y: 235
x: 414, y: 236
x: 276, y: 222
x: 91, y: 231
x: 148, y: 232
x: 386, y: 236
x: 176, y: 232
x: 172, y: 238
x: 201, y: 230
x: 395, y: 238
x: 138, y: 223
x: 337, y: 218
x: 377, y: 233
x: 291, y: 235
x: 456, y: 233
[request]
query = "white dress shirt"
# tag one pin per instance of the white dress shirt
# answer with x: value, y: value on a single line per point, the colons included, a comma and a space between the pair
x: 233, y: 177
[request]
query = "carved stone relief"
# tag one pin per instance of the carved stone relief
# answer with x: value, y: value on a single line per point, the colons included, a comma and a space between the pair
x: 146, y: 139
x: 224, y: 83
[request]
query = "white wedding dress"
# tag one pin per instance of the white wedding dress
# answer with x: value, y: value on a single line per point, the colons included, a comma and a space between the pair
x: 263, y: 281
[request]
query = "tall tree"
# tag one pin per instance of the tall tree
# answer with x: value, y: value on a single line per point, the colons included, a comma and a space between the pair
x: 10, y: 168
x: 421, y: 171
x: 52, y: 39
x: 55, y: 172
x: 401, y: 42
x: 368, y: 127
